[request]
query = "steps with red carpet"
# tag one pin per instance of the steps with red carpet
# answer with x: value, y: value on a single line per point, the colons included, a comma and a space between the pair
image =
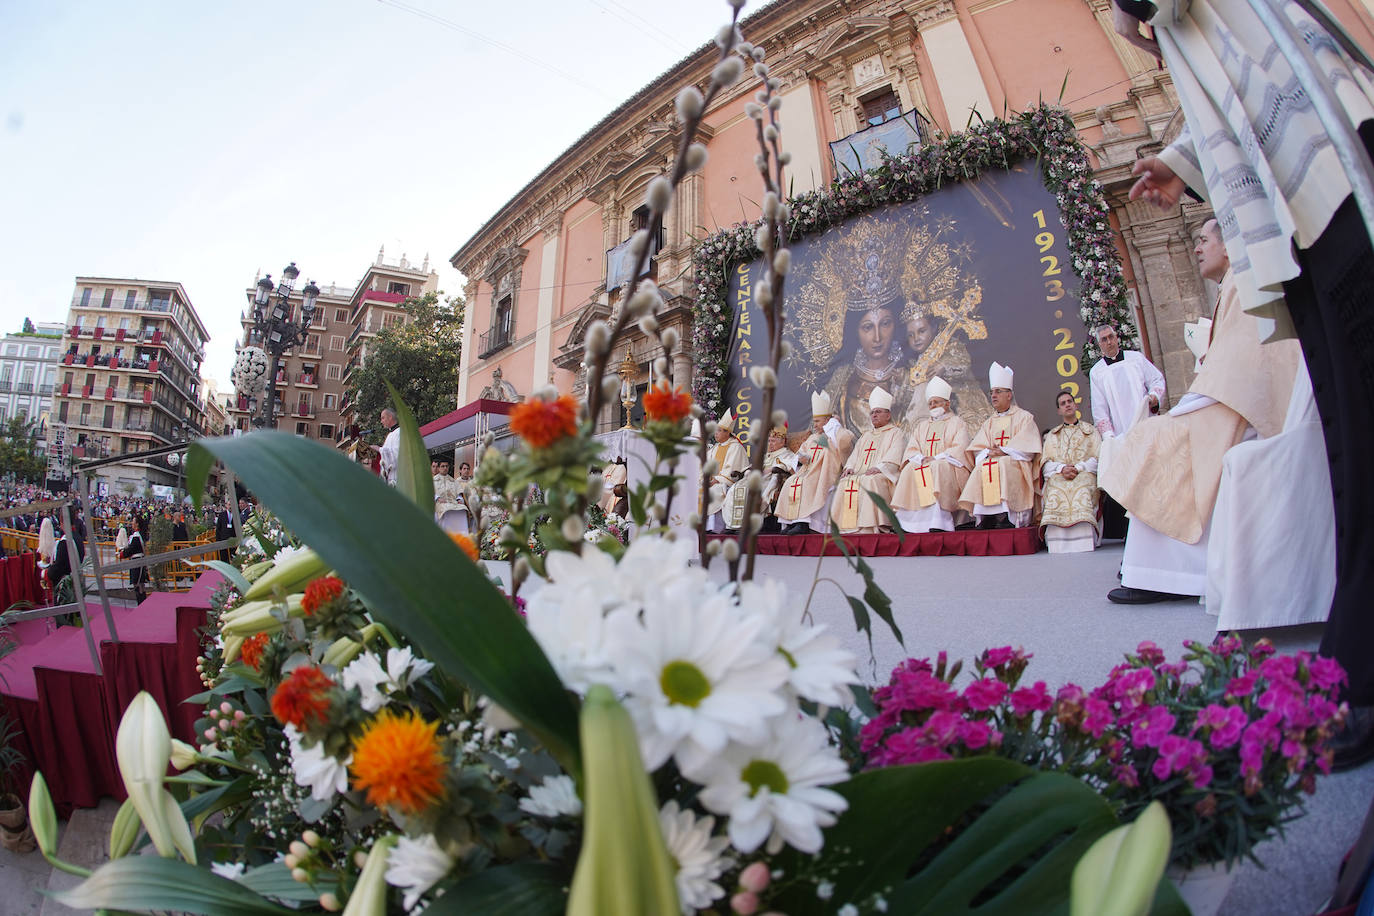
x: 1000, y: 542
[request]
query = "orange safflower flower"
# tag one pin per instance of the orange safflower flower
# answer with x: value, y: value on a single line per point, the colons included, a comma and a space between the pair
x: 320, y: 592
x: 542, y: 423
x: 251, y: 652
x: 664, y: 403
x: 398, y: 761
x: 301, y: 698
x: 466, y: 545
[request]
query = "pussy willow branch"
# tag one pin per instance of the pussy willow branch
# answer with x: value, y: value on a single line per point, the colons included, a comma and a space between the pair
x: 771, y: 169
x: 596, y: 363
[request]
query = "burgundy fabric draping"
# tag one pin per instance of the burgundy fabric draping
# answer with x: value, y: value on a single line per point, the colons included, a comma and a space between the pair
x: 20, y: 580
x: 1003, y: 542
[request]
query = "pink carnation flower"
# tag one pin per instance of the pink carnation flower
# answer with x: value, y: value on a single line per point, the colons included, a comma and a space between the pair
x: 1097, y: 716
x: 1026, y: 700
x: 1326, y: 673
x: 984, y: 694
x: 1226, y: 723
x: 1243, y: 685
x: 1150, y: 730
x: 1150, y: 653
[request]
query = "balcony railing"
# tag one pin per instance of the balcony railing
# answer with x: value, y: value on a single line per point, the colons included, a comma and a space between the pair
x: 492, y: 341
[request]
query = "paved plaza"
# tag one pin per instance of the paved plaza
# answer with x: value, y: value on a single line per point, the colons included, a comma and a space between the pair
x: 1053, y: 606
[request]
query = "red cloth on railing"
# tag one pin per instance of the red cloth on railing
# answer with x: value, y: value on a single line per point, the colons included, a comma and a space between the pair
x: 20, y: 581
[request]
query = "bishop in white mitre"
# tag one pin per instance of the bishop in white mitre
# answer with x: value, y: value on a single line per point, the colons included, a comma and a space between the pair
x: 1005, y: 454
x: 726, y: 462
x: 804, y: 500
x: 872, y: 468
x: 935, y: 467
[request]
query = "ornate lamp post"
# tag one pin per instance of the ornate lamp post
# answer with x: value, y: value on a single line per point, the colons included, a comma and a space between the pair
x: 275, y: 332
x: 183, y: 433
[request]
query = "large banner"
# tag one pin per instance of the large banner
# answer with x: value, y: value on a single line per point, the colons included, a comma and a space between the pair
x: 944, y: 285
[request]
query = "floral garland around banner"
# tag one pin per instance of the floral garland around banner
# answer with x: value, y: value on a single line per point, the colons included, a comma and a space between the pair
x: 1045, y: 133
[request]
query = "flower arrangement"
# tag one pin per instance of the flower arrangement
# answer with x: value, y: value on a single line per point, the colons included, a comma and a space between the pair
x: 1044, y: 133
x: 1229, y: 739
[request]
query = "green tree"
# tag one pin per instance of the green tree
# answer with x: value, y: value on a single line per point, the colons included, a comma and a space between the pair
x: 19, y: 451
x: 419, y: 357
x: 28, y: 327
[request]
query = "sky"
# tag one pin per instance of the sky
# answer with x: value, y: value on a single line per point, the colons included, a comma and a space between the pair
x: 204, y: 142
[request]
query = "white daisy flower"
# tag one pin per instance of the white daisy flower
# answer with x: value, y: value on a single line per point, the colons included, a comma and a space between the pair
x: 697, y: 854
x: 819, y: 668
x: 231, y: 870
x: 415, y: 866
x: 570, y: 627
x: 775, y: 791
x: 696, y: 674
x: 555, y: 796
x: 323, y: 774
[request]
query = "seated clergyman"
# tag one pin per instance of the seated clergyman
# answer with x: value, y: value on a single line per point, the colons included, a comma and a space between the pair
x: 1005, y: 454
x: 1069, y: 498
x: 872, y: 468
x: 804, y: 503
x: 730, y: 461
x: 934, y: 468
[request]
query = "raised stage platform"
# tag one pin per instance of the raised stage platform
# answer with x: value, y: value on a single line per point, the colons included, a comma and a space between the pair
x: 68, y: 714
x: 1004, y: 542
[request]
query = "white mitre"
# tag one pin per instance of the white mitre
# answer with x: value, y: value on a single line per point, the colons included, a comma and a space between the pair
x: 938, y: 388
x: 879, y: 399
x: 820, y: 404
x: 726, y: 422
x: 1000, y: 376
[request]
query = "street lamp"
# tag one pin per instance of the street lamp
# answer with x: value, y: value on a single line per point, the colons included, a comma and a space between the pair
x: 274, y: 331
x: 184, y: 433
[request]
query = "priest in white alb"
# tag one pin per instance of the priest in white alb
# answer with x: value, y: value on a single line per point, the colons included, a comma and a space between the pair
x: 872, y: 468
x: 1123, y: 386
x: 1069, y: 496
x: 935, y: 467
x: 1005, y: 454
x: 804, y: 500
x: 726, y: 462
x: 1166, y: 470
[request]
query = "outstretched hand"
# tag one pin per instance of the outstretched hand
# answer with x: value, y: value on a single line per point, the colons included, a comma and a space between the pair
x: 1157, y: 183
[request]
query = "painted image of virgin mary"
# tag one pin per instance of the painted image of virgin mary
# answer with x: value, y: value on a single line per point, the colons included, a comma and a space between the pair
x: 873, y: 354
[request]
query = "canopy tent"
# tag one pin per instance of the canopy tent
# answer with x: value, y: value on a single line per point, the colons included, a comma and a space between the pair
x: 466, y: 425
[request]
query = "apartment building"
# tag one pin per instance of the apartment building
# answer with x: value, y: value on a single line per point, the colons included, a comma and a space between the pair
x: 376, y: 304
x: 309, y: 376
x: 128, y: 379
x: 28, y: 374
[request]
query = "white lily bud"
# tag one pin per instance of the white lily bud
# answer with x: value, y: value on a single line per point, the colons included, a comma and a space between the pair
x: 143, y: 748
x: 572, y: 528
x: 727, y: 71
x: 689, y: 103
x: 770, y: 201
x: 659, y: 194
x: 755, y: 481
x: 770, y: 133
x: 610, y: 388
x: 713, y: 548
x: 183, y: 755
x: 761, y: 71
x: 779, y: 418
x: 782, y: 261
x: 729, y: 551
x: 671, y: 338
x: 598, y: 338
x: 696, y: 157
x: 660, y: 367
x: 648, y: 324
x: 755, y: 523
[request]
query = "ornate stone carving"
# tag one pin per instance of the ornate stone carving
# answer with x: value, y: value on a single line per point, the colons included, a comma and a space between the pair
x: 933, y: 13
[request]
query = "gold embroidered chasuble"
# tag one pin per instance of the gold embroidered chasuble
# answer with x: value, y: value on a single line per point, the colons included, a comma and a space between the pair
x: 1067, y: 502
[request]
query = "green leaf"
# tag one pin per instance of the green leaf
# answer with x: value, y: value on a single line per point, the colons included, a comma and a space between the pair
x: 862, y: 622
x: 143, y: 884
x: 887, y: 510
x: 229, y: 572
x: 407, y: 569
x: 527, y: 889
x: 1019, y: 853
x: 413, y: 477
x: 275, y: 881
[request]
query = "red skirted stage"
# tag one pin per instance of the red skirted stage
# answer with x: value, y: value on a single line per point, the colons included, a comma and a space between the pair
x: 1003, y: 542
x: 68, y: 715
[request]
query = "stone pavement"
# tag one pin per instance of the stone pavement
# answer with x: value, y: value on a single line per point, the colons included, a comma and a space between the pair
x: 1053, y: 606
